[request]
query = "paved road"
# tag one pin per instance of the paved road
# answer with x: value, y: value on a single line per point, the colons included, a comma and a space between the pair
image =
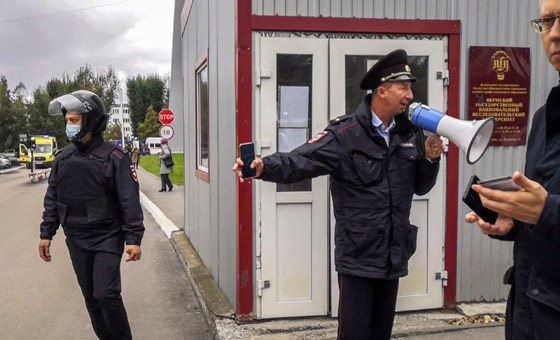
x: 42, y: 300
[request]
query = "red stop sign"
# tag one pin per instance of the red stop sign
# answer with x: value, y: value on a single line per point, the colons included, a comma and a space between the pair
x: 166, y: 116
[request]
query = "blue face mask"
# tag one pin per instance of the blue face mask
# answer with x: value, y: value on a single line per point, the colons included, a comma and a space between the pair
x: 72, y: 130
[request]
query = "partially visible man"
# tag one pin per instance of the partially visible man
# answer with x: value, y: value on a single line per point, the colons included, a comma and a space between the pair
x: 93, y: 193
x: 531, y: 217
x: 377, y: 160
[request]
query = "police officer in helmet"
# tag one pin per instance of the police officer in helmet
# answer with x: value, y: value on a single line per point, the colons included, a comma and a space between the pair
x: 93, y: 194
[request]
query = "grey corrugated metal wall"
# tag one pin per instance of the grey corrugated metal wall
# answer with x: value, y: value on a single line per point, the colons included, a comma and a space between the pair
x: 210, y: 213
x: 481, y: 261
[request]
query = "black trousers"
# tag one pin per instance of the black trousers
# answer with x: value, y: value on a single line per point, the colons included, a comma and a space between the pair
x: 165, y: 180
x: 99, y: 277
x: 546, y: 320
x: 366, y: 308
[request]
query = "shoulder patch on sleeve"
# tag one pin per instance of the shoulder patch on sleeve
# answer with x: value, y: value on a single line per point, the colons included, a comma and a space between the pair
x: 318, y: 137
x: 133, y: 173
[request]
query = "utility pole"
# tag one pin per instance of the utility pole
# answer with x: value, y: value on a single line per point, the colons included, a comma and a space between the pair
x: 122, y: 118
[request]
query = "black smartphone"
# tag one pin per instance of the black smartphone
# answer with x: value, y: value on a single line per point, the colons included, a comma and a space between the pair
x: 472, y: 199
x: 247, y: 155
x: 501, y: 183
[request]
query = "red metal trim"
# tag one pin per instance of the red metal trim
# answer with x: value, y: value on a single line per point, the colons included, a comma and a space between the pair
x: 203, y: 175
x: 201, y: 63
x: 245, y: 24
x: 283, y: 23
x: 185, y: 14
x: 450, y: 292
x: 244, y: 128
x: 203, y: 59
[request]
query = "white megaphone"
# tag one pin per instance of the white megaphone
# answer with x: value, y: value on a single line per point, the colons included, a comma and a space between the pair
x: 473, y: 137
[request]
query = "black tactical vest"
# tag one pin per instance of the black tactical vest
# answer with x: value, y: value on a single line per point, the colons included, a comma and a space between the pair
x: 83, y: 186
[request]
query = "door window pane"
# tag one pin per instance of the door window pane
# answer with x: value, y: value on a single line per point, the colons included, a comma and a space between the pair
x: 358, y: 65
x: 294, y: 109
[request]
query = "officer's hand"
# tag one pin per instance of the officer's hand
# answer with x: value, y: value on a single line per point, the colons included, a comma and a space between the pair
x: 44, y: 250
x: 256, y: 164
x: 503, y: 224
x: 434, y: 147
x: 134, y: 252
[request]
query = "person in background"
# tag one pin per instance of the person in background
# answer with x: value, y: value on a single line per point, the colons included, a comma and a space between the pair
x: 128, y: 150
x: 531, y: 217
x: 377, y: 160
x: 135, y: 157
x: 165, y: 166
x: 93, y: 192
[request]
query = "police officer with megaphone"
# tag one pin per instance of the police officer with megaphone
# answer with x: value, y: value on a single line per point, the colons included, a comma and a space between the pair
x: 377, y: 160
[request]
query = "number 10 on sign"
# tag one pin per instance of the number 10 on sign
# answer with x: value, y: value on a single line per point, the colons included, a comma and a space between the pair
x: 166, y: 131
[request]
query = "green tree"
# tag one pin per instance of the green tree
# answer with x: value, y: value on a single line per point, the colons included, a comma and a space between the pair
x: 12, y: 114
x: 40, y: 122
x: 114, y: 132
x: 167, y: 82
x: 6, y: 115
x: 143, y: 92
x: 18, y: 115
x: 150, y: 126
x: 104, y: 83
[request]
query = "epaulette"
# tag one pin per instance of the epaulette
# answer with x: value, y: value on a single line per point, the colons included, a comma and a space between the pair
x: 339, y: 119
x: 66, y: 151
x: 58, y: 151
x: 104, y: 150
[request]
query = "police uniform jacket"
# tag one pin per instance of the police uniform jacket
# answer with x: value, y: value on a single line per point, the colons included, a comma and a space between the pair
x: 536, y: 272
x: 93, y: 192
x: 372, y: 186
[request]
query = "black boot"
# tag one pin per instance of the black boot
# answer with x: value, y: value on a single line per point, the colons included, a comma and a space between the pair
x: 163, y: 190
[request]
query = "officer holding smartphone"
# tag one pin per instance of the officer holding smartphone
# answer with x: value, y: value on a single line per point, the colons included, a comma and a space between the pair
x: 377, y: 160
x: 531, y: 217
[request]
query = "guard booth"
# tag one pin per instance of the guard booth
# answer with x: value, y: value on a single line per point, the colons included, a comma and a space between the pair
x: 275, y: 73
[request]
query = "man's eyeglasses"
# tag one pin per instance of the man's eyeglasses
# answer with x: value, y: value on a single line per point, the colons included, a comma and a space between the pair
x: 543, y: 24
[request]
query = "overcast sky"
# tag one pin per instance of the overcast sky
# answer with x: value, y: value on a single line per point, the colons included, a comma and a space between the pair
x: 42, y: 39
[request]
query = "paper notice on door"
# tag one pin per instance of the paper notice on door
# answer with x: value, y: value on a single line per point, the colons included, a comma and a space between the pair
x: 290, y: 138
x: 370, y: 63
x: 294, y: 106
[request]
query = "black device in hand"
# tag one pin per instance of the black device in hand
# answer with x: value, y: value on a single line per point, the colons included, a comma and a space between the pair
x: 247, y: 155
x: 472, y: 199
x: 501, y: 183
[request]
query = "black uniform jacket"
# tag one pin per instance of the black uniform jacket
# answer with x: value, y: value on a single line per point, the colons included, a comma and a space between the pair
x: 372, y: 186
x: 94, y: 194
x: 537, y: 247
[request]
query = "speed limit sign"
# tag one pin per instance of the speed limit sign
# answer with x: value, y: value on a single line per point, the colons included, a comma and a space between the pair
x: 166, y: 131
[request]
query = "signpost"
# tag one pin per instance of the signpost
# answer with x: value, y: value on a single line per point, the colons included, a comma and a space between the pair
x: 166, y: 117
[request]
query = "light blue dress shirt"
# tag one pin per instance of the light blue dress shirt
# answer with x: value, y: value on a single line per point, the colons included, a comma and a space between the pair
x: 383, y: 132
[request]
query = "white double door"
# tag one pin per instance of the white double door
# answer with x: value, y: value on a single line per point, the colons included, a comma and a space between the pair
x: 299, y: 84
